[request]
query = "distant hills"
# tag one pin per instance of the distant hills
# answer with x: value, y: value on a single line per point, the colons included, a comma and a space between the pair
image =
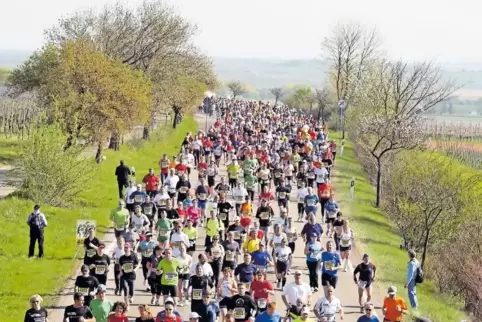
x: 261, y: 74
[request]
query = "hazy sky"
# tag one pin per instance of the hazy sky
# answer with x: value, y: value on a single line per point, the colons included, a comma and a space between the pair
x: 446, y: 30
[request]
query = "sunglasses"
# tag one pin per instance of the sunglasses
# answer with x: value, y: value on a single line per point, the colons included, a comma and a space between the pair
x: 368, y: 310
x: 168, y: 309
x: 35, y: 302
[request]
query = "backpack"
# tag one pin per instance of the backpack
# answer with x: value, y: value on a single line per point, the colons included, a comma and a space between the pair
x: 419, y: 276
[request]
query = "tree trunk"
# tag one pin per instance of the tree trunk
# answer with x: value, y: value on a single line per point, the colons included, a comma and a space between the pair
x: 425, y: 247
x: 174, y: 121
x: 100, y: 151
x: 276, y: 101
x: 69, y: 142
x: 114, y: 142
x: 379, y: 181
x: 145, y: 132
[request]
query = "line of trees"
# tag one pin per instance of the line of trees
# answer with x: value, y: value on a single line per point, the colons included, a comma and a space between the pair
x: 99, y: 75
x: 431, y: 198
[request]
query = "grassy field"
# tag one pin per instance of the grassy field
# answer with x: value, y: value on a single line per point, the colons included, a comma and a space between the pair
x: 378, y: 237
x: 9, y: 150
x: 23, y: 277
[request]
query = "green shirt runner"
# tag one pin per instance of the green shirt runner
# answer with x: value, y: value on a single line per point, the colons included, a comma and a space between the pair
x: 101, y: 309
x: 169, y: 270
x: 120, y: 218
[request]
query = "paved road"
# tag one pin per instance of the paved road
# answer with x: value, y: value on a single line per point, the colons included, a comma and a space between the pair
x: 346, y: 289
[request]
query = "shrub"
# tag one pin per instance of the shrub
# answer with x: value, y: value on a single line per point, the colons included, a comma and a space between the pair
x: 53, y: 175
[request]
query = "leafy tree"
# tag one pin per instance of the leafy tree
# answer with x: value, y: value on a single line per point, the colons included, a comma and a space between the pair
x: 86, y: 92
x: 153, y: 38
x: 427, y: 198
x: 236, y: 88
x: 31, y: 75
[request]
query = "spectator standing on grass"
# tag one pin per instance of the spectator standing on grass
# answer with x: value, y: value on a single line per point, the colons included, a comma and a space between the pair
x: 411, y: 282
x: 37, y: 223
x: 122, y: 172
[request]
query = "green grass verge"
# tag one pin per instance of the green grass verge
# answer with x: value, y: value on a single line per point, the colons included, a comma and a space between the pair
x: 23, y: 277
x: 377, y: 236
x: 9, y: 150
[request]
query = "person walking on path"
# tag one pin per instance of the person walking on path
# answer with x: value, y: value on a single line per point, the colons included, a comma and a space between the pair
x: 411, y: 281
x: 122, y: 172
x: 37, y: 223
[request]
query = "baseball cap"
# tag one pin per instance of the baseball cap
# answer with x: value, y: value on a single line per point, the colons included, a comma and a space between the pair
x: 314, y: 235
x: 169, y: 300
x: 149, y: 235
x: 366, y: 256
x: 305, y: 310
x: 297, y: 272
x: 101, y: 288
x: 392, y: 290
x: 194, y: 315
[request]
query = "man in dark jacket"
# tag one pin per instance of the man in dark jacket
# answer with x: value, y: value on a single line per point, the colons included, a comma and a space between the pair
x: 37, y: 223
x: 122, y: 172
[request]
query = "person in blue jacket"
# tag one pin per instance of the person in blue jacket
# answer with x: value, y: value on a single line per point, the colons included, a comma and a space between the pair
x: 330, y: 264
x: 270, y: 315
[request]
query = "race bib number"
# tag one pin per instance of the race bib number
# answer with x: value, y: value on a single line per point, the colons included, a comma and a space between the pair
x: 138, y: 198
x: 230, y: 256
x: 310, y: 202
x: 148, y: 210
x: 265, y: 177
x: 100, y: 269
x: 301, y: 200
x: 90, y: 252
x: 183, y: 189
x: 202, y: 196
x: 329, y: 266
x: 362, y: 284
x: 311, y: 175
x: 282, y: 195
x: 147, y: 252
x: 236, y: 235
x: 223, y: 216
x: 331, y: 214
x: 164, y: 232
x: 264, y: 215
x: 277, y: 175
x: 248, y: 285
x: 184, y: 270
x: 345, y: 242
x: 239, y: 313
x: 128, y: 268
x: 170, y: 277
x: 216, y: 252
x: 171, y: 189
x: 83, y: 290
x: 239, y: 198
x: 119, y: 226
x: 177, y: 244
x: 262, y: 303
x: 197, y: 294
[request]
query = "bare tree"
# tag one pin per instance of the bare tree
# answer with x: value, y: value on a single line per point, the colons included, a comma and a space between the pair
x: 322, y: 100
x: 392, y: 99
x: 349, y: 51
x: 236, y: 88
x: 278, y: 93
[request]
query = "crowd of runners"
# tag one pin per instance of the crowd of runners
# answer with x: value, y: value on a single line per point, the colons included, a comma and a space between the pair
x: 272, y: 154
